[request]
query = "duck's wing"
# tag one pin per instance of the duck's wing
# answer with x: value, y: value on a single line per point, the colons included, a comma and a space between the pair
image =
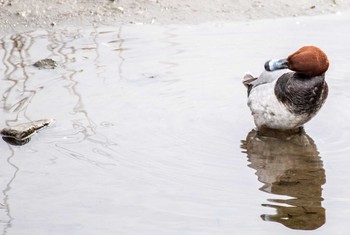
x: 265, y: 77
x: 269, y: 76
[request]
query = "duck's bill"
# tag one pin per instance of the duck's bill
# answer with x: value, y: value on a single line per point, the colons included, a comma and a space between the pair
x: 273, y: 65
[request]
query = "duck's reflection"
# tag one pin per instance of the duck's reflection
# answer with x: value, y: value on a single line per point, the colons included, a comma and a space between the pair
x: 289, y: 165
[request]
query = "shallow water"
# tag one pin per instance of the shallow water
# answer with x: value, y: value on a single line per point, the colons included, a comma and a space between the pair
x: 153, y: 135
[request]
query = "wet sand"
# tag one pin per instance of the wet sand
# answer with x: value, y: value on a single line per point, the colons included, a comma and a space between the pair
x: 17, y: 15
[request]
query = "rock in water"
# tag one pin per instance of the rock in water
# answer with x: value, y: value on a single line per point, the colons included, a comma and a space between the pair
x: 46, y: 64
x: 22, y: 132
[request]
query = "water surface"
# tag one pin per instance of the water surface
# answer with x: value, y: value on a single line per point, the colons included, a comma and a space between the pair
x: 153, y: 135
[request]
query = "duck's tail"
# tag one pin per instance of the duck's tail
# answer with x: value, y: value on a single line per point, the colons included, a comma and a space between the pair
x: 247, y: 81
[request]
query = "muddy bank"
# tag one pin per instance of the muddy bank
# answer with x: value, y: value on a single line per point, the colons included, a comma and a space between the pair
x: 17, y: 15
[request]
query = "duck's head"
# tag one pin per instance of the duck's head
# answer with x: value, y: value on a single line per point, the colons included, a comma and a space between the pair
x: 308, y: 60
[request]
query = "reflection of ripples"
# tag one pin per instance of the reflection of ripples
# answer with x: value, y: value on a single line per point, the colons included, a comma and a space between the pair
x: 289, y: 166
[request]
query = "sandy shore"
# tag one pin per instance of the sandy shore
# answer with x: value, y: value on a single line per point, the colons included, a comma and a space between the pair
x: 22, y: 15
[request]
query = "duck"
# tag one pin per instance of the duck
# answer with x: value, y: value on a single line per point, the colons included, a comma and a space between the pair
x: 290, y: 91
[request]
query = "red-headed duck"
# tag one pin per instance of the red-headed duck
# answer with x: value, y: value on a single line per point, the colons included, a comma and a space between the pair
x: 286, y: 99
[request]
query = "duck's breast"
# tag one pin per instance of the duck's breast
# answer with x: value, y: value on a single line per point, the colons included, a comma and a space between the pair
x: 302, y: 94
